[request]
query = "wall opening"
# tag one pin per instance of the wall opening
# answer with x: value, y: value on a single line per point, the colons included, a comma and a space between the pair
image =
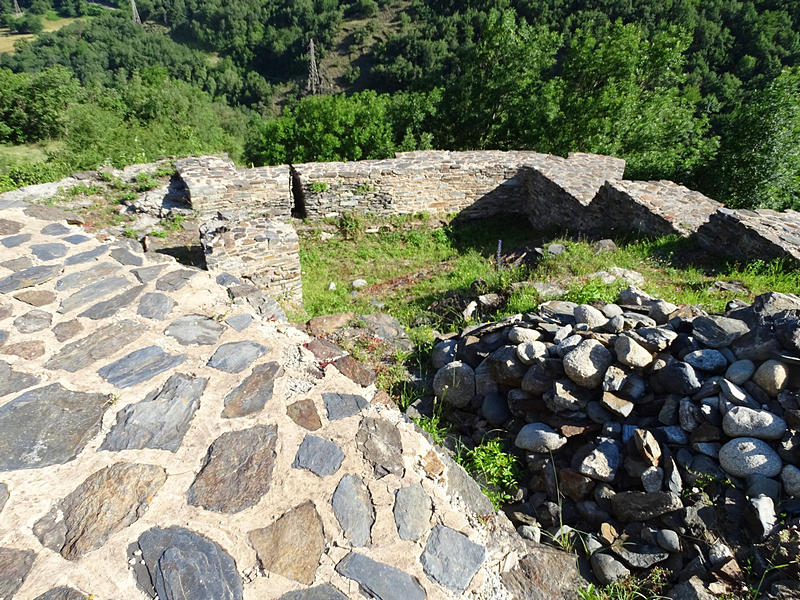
x: 299, y: 207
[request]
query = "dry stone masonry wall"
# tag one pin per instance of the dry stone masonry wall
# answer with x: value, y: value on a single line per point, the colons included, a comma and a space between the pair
x: 163, y: 436
x: 583, y: 193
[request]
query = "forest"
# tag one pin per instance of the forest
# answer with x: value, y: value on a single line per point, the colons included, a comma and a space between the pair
x: 706, y: 93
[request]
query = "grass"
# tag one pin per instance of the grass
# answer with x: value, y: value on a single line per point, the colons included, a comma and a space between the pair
x: 648, y: 587
x: 495, y: 469
x: 8, y: 39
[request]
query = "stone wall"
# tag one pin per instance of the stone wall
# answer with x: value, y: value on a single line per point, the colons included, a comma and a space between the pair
x: 262, y: 250
x: 753, y: 234
x: 215, y: 184
x: 652, y: 207
x: 474, y: 184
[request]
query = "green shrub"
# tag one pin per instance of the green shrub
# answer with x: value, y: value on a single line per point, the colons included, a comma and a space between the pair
x: 318, y: 187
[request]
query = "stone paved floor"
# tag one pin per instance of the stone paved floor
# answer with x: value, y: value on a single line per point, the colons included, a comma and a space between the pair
x: 157, y: 439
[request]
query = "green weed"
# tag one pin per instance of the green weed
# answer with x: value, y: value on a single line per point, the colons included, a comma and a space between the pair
x: 131, y: 233
x: 630, y: 588
x: 497, y: 470
x: 145, y: 182
x: 318, y: 187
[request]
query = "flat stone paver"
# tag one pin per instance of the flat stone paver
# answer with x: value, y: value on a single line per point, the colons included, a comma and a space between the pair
x: 139, y: 366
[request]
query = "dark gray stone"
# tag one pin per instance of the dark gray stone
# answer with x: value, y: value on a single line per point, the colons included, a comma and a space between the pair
x: 29, y: 277
x: 83, y: 257
x: 98, y: 345
x: 47, y: 426
x: 105, y: 503
x: 641, y: 506
x: 14, y: 568
x: 389, y: 329
x: 226, y: 279
x: 140, y: 365
x: 160, y: 420
x: 33, y: 321
x: 14, y: 381
x: 679, y: 377
x: 3, y: 495
x: 195, y: 330
x: 155, y: 305
x: 173, y: 281
x: 84, y: 278
x: 235, y: 357
x: 62, y: 593
x: 147, y: 274
x: 451, y: 559
x: 110, y: 307
x: 640, y: 556
x: 76, y: 239
x: 717, y: 332
x: 341, y: 406
x: 352, y: 506
x: 48, y: 252
x: 55, y: 229
x: 544, y: 574
x: 15, y: 240
x: 602, y: 461
x: 380, y: 580
x: 237, y: 470
x: 239, y: 322
x: 126, y: 257
x: 379, y: 442
x: 321, y: 592
x: 92, y: 292
x: 180, y: 564
x: 319, y: 456
x: 412, y: 512
x: 253, y: 393
x: 606, y: 568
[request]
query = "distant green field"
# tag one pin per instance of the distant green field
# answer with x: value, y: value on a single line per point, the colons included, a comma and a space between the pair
x: 14, y: 155
x: 8, y: 39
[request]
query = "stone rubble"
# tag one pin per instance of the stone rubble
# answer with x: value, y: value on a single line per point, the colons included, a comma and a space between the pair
x: 657, y: 439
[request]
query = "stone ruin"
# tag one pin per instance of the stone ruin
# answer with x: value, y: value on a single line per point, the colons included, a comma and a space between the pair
x: 583, y: 193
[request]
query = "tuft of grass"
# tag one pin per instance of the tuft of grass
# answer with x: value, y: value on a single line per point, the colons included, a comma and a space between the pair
x: 145, y: 182
x: 494, y: 468
x: 318, y: 187
x: 84, y: 190
x: 648, y: 587
x: 131, y: 233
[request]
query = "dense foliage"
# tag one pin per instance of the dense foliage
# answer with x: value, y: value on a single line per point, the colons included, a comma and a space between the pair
x: 704, y: 93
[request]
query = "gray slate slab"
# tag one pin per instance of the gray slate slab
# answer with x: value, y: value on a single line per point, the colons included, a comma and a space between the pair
x: 319, y: 456
x: 14, y: 568
x: 13, y: 241
x: 147, y: 274
x: 140, y: 365
x: 460, y: 484
x: 14, y: 381
x: 235, y: 357
x: 341, y: 406
x: 237, y: 470
x: 183, y: 565
x: 55, y: 229
x: 160, y: 420
x: 451, y: 559
x: 126, y: 257
x: 87, y: 276
x: 47, y: 426
x: 17, y: 264
x: 90, y: 293
x: 320, y: 592
x: 380, y: 580
x: 82, y: 257
x: 106, y: 502
x: 29, y: 277
x: 155, y: 305
x: 250, y: 396
x: 239, y: 322
x: 412, y: 512
x: 195, y: 330
x: 175, y: 280
x: 110, y: 307
x: 98, y: 345
x: 353, y: 508
x: 33, y: 321
x: 8, y: 227
x: 48, y: 252
x: 76, y: 239
x: 380, y: 443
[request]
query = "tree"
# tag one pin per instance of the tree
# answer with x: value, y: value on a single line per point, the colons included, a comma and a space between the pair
x: 759, y: 163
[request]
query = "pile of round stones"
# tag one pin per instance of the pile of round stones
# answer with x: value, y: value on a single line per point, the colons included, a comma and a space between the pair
x: 657, y: 434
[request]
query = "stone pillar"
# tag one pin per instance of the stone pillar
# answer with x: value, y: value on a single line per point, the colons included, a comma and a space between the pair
x: 263, y: 250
